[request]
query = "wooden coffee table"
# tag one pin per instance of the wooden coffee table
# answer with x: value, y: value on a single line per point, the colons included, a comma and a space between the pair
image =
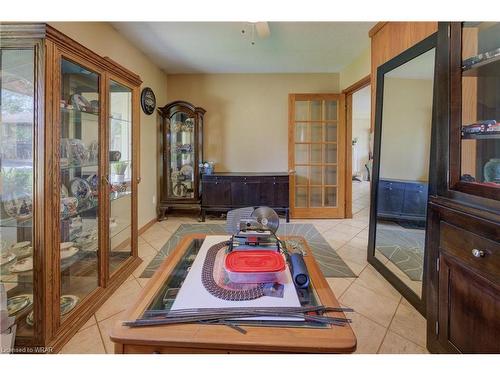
x: 214, y: 338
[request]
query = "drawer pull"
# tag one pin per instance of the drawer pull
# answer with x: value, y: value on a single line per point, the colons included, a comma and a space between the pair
x: 478, y: 253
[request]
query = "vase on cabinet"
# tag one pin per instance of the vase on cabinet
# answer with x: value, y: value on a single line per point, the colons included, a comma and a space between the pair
x: 492, y: 171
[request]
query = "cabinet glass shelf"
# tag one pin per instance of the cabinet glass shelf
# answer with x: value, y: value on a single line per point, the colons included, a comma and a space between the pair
x: 94, y: 204
x: 91, y: 165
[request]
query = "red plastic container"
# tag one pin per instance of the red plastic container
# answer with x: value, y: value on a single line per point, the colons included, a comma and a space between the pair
x: 255, y: 266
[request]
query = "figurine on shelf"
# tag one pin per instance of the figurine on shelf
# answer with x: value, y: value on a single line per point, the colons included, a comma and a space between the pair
x: 93, y: 152
x: 183, y: 148
x: 207, y: 167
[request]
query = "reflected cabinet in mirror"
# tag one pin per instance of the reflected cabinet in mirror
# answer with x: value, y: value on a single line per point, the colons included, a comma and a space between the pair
x: 401, y: 168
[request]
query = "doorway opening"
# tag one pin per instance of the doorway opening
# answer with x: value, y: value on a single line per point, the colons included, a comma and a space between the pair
x: 359, y: 150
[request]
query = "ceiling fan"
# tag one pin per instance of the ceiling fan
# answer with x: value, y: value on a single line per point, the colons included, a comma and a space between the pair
x: 260, y: 28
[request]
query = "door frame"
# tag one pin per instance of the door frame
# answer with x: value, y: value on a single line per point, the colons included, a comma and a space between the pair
x: 349, y: 92
x: 319, y: 212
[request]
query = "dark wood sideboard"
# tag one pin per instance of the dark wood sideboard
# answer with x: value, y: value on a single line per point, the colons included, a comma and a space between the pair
x: 226, y: 191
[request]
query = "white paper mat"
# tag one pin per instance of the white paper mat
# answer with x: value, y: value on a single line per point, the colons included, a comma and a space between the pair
x: 194, y: 295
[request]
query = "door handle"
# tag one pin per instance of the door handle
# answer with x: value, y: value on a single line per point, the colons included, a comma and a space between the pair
x: 292, y: 171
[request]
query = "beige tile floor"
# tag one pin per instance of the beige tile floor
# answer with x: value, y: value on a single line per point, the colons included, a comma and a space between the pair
x: 383, y: 321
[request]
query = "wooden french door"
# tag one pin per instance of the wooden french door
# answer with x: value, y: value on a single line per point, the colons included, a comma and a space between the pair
x: 316, y: 155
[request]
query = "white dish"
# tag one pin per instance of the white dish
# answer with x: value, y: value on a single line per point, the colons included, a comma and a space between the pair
x: 66, y: 245
x: 22, y: 265
x: 23, y: 252
x: 7, y: 258
x: 20, y: 245
x: 65, y: 254
x: 17, y: 303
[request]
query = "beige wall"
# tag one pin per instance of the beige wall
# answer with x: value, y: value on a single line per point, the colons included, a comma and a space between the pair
x: 357, y: 69
x: 406, y: 129
x: 106, y: 41
x: 246, y: 127
x: 361, y: 130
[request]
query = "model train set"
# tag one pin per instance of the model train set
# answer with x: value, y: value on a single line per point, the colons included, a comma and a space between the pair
x: 250, y: 275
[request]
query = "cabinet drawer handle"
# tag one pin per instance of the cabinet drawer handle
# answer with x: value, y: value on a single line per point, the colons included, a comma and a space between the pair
x: 478, y: 253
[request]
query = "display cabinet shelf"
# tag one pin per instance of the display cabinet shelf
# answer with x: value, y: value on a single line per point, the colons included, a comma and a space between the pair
x: 481, y: 136
x: 477, y: 62
x: 77, y: 112
x: 91, y: 165
x: 44, y: 145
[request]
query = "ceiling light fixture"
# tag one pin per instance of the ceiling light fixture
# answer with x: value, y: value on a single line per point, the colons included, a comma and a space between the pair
x: 261, y: 28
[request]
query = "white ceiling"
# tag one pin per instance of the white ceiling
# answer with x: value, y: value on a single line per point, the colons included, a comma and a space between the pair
x: 220, y: 47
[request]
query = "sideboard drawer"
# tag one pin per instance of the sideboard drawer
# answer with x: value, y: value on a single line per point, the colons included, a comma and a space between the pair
x: 479, y: 253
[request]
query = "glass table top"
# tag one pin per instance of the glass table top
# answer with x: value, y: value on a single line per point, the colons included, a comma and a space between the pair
x: 165, y: 297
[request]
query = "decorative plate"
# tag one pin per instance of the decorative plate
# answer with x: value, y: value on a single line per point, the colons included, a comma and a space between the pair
x: 64, y: 191
x: 7, y: 258
x: 93, y: 181
x: 22, y: 265
x: 80, y: 103
x: 20, y: 245
x: 65, y: 254
x: 18, y: 206
x: 68, y: 303
x: 23, y: 252
x: 66, y: 245
x: 80, y: 188
x: 78, y: 153
x: 18, y: 303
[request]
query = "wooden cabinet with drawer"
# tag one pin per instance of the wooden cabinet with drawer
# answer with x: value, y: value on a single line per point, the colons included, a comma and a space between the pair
x: 465, y: 283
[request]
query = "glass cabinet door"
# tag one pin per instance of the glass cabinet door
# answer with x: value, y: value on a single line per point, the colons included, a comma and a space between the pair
x: 480, y: 117
x: 79, y: 178
x: 17, y: 104
x: 181, y: 182
x: 120, y: 172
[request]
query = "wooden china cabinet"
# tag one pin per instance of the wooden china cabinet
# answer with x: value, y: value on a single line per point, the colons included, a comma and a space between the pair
x: 69, y: 132
x: 463, y: 241
x: 181, y: 150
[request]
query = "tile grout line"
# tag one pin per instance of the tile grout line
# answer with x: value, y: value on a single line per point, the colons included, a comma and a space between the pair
x: 102, y: 340
x: 395, y: 311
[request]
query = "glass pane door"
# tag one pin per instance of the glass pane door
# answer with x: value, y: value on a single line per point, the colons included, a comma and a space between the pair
x: 16, y: 185
x: 79, y: 190
x: 182, y: 156
x: 120, y: 172
x: 316, y: 154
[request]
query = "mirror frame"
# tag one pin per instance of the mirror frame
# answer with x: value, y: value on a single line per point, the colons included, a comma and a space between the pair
x: 419, y: 302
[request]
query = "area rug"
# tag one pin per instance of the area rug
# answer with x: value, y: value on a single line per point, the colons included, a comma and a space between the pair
x: 404, y: 248
x: 330, y: 263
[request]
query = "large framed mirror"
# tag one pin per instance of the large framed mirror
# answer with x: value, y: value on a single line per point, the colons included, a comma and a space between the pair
x: 400, y: 184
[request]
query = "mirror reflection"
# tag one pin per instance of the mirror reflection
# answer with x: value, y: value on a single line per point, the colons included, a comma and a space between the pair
x: 404, y: 169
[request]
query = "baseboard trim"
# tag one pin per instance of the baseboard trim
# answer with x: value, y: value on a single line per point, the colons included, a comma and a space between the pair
x: 146, y: 226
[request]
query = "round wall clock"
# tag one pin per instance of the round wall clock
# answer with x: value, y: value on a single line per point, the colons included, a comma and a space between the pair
x: 148, y: 100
